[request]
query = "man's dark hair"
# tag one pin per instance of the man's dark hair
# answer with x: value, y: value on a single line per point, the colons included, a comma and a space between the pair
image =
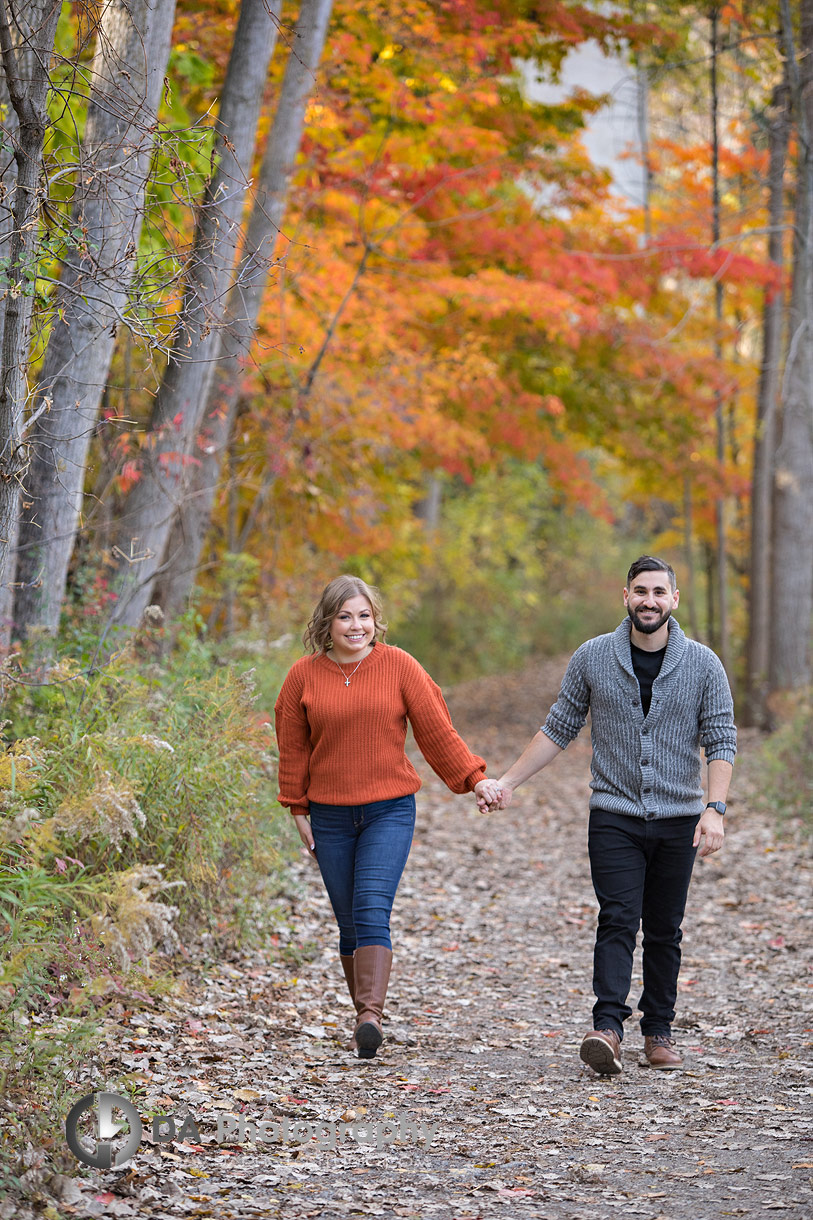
x: 650, y: 563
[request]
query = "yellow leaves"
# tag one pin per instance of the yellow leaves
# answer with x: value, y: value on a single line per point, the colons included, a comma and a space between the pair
x: 321, y: 116
x: 17, y: 766
x: 447, y: 84
x: 390, y: 51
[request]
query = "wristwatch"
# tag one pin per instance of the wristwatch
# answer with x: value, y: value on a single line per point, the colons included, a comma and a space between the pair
x: 718, y: 805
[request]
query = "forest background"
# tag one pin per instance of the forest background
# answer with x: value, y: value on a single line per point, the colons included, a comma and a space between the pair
x: 288, y: 292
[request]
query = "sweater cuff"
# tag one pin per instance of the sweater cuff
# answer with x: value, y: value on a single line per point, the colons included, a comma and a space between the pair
x: 559, y: 738
x: 475, y: 778
x: 303, y: 809
x: 721, y: 753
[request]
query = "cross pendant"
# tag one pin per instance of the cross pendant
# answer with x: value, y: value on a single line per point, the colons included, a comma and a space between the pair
x: 347, y: 681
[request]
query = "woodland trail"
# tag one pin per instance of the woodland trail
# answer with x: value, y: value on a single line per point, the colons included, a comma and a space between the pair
x: 490, y: 993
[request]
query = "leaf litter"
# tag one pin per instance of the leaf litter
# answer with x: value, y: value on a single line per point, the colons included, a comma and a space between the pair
x: 490, y: 994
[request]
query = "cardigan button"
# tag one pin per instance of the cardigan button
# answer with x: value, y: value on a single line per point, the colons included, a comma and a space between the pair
x: 645, y: 763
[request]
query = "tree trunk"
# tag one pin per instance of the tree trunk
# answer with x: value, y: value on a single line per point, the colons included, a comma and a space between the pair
x: 150, y: 507
x: 760, y: 592
x: 27, y: 92
x: 688, y: 549
x: 792, y: 585
x: 721, y: 573
x: 642, y: 116
x: 191, y: 524
x: 127, y: 74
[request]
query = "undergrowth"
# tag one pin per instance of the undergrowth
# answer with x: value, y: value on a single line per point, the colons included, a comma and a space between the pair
x: 136, y: 809
x: 786, y: 767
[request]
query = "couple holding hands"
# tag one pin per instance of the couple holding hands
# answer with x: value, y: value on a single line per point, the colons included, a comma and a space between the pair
x: 655, y: 699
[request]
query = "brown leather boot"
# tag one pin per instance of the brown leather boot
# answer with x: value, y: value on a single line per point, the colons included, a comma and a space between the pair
x: 348, y: 966
x: 349, y: 974
x: 659, y: 1051
x: 371, y: 968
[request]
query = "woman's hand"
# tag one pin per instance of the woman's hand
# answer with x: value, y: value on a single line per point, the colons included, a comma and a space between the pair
x: 489, y: 795
x: 305, y: 833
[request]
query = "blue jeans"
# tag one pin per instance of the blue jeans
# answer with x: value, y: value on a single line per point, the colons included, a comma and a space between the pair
x: 361, y: 851
x: 641, y: 871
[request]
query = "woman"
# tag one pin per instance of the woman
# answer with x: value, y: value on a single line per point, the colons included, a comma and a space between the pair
x: 341, y: 720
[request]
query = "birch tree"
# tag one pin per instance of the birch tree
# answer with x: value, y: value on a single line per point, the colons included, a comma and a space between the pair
x: 194, y: 513
x: 133, y: 41
x: 26, y: 41
x: 149, y: 509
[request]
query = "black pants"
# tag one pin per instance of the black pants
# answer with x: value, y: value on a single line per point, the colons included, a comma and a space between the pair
x: 641, y: 871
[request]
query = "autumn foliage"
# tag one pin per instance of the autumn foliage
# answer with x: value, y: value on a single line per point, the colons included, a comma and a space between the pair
x: 458, y: 288
x: 457, y: 295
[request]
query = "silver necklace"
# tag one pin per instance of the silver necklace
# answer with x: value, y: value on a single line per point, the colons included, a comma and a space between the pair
x: 344, y: 675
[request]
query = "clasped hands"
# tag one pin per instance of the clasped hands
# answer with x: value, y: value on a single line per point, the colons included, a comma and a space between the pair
x: 492, y: 794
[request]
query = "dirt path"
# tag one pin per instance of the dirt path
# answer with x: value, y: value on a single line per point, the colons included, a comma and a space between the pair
x: 491, y: 990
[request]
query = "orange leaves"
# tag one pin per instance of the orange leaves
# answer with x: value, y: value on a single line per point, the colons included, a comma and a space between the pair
x: 473, y: 293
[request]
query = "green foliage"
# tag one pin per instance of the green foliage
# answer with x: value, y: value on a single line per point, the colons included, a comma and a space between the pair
x: 136, y: 803
x: 145, y: 762
x: 513, y: 574
x: 786, y: 768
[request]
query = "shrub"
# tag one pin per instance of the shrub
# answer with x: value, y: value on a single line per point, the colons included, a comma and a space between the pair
x: 786, y: 767
x: 137, y: 804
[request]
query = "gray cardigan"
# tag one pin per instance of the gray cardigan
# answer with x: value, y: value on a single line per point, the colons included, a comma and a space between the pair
x: 646, y: 766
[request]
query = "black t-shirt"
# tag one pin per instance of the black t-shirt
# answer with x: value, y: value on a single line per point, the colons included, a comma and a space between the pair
x: 647, y: 666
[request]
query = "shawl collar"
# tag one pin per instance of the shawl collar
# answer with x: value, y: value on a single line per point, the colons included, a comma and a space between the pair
x: 676, y: 646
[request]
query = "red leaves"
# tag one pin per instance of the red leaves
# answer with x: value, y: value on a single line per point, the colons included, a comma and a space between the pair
x: 128, y: 476
x: 172, y: 461
x: 680, y: 252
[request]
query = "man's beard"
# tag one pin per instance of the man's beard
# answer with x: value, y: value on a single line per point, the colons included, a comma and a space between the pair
x: 648, y: 627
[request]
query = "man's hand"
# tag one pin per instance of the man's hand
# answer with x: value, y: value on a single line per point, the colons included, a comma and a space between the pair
x: 489, y: 795
x: 493, y: 794
x: 506, y: 792
x: 711, y: 827
x: 305, y: 833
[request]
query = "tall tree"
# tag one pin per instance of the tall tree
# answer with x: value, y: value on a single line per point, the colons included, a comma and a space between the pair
x: 193, y: 517
x: 721, y: 557
x: 126, y: 76
x: 760, y: 589
x: 792, y: 584
x: 27, y: 43
x: 150, y: 507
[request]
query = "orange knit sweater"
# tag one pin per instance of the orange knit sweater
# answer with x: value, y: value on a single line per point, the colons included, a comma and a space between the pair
x: 344, y: 745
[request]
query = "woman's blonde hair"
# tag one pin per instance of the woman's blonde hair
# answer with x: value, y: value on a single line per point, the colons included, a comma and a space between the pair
x: 317, y: 636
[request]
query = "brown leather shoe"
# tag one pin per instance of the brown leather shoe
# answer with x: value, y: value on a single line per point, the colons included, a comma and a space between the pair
x: 371, y: 968
x: 660, y: 1052
x: 601, y: 1049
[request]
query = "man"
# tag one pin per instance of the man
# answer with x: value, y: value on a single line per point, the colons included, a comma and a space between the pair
x: 655, y: 697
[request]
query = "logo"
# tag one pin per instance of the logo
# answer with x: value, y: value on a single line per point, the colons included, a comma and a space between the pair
x: 106, y: 1130
x: 231, y: 1128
